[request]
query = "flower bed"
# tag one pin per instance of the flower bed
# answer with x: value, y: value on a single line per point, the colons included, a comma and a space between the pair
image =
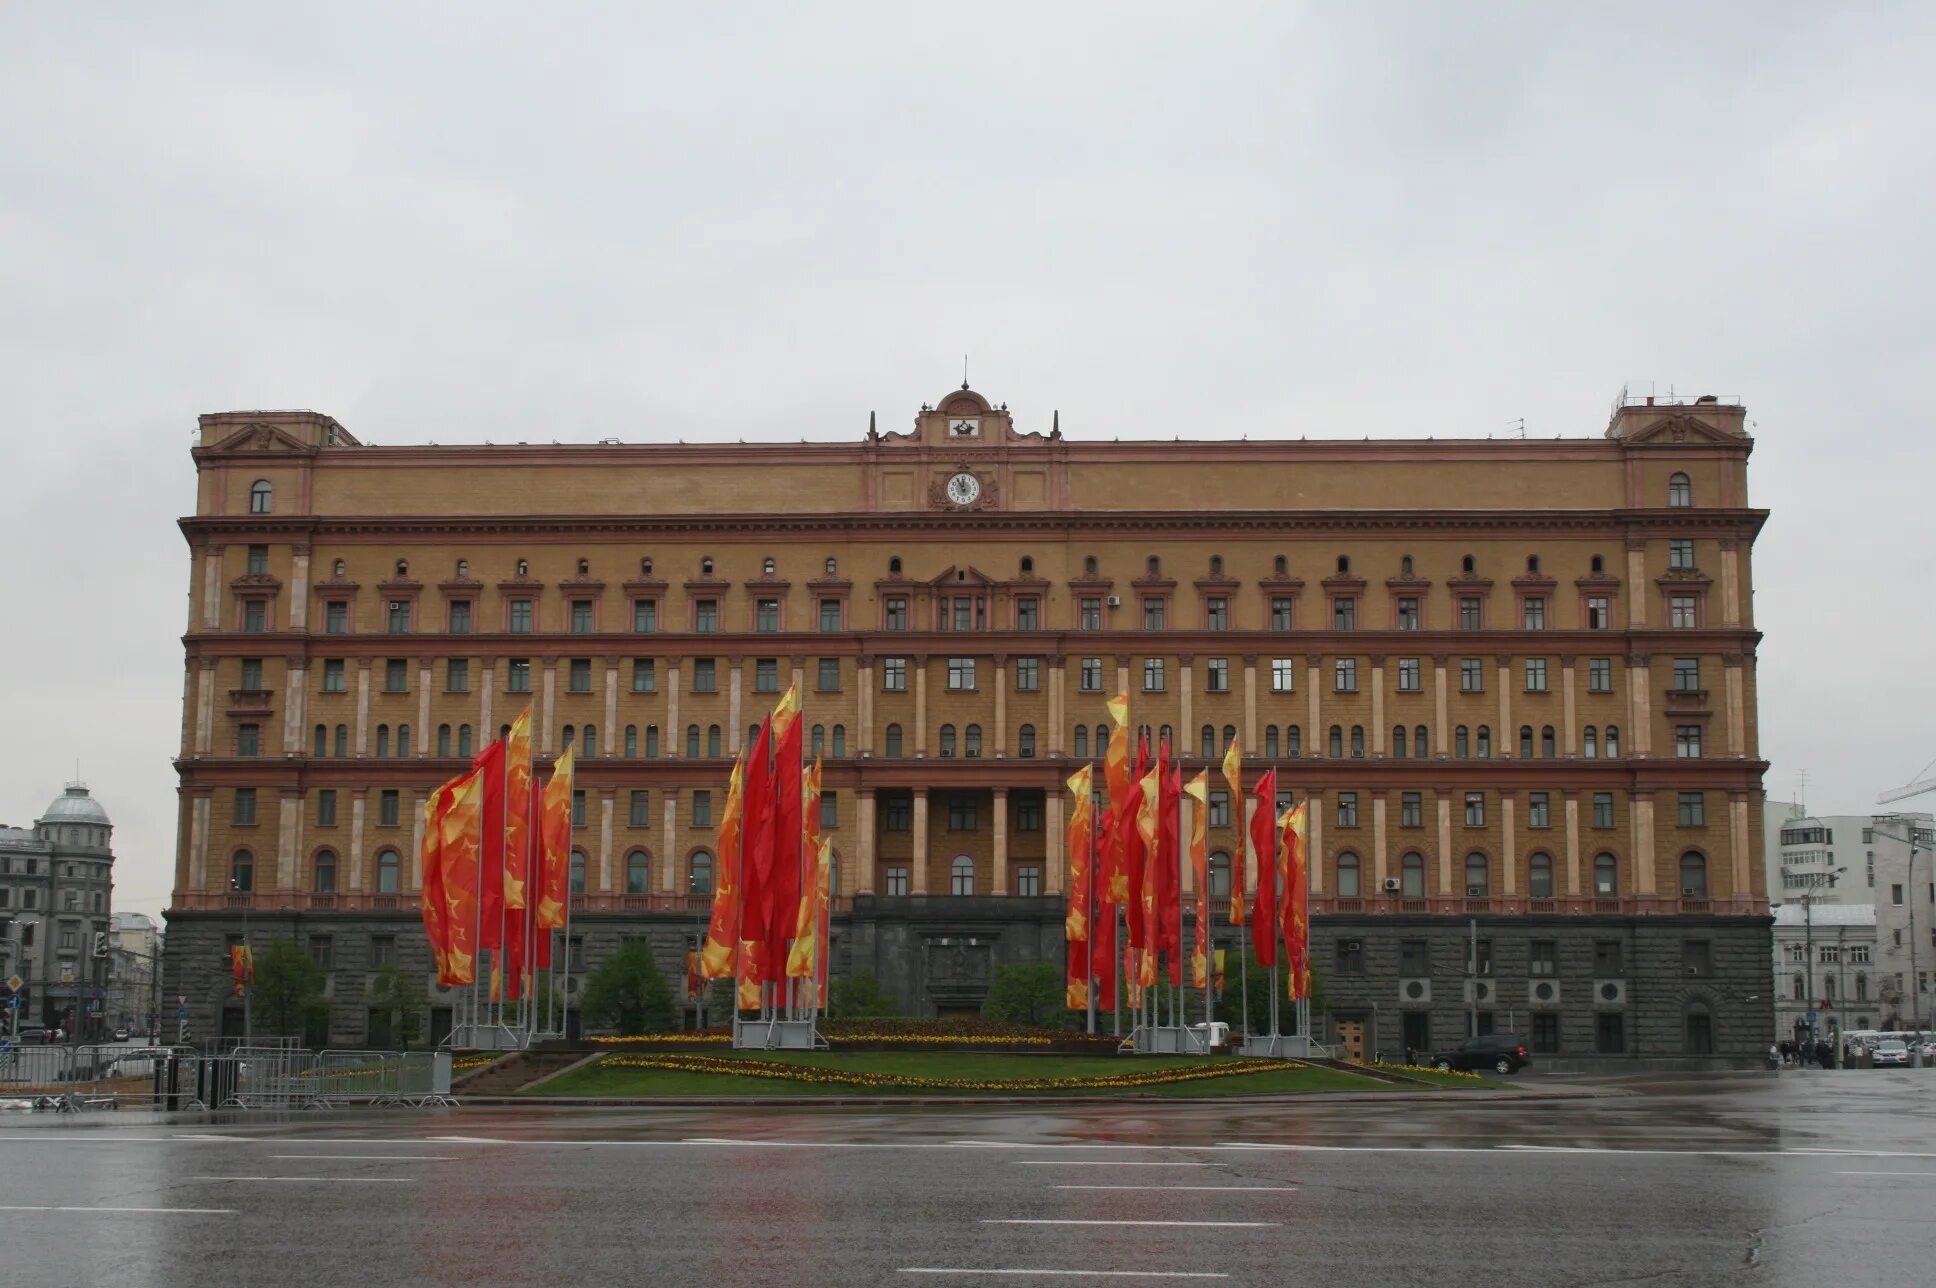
x: 910, y: 1082
x: 1418, y: 1070
x: 903, y: 1035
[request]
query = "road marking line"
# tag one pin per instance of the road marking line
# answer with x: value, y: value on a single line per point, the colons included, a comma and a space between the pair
x: 1216, y: 1189
x: 338, y: 1180
x: 371, y: 1158
x: 22, y: 1207
x: 1927, y: 1176
x: 1221, y: 1225
x: 1097, y: 1162
x: 1090, y: 1274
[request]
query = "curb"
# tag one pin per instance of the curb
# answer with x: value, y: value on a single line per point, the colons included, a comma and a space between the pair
x: 1279, y: 1098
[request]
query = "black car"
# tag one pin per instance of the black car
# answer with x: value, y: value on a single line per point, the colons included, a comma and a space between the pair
x: 1499, y: 1052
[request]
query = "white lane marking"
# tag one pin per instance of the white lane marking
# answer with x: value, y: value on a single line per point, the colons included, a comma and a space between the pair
x: 1087, y: 1274
x: 370, y: 1158
x: 22, y: 1207
x: 332, y: 1180
x: 1097, y: 1162
x: 1221, y: 1225
x: 1926, y: 1176
x: 1214, y: 1189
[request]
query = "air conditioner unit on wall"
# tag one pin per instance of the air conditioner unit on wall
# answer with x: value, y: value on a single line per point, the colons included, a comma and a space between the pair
x: 1543, y: 992
x: 1479, y: 991
x: 1391, y: 885
x: 1115, y: 601
x: 1609, y: 992
x: 1414, y: 991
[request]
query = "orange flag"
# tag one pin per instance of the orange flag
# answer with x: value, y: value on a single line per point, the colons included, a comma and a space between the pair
x: 242, y: 966
x: 554, y: 828
x: 1233, y: 773
x: 1296, y: 915
x: 517, y: 811
x: 1075, y: 926
x: 431, y: 889
x: 716, y: 958
x: 802, y: 963
x: 1198, y: 790
x: 692, y: 976
x: 1149, y: 821
x: 803, y: 959
x: 1116, y: 776
x: 460, y: 837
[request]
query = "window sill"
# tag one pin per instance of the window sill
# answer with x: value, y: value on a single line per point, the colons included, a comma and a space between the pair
x: 457, y: 691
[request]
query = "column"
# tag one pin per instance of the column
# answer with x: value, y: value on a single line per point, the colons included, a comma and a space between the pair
x: 1314, y: 842
x: 1572, y: 844
x: 212, y: 589
x: 1636, y: 587
x: 295, y: 699
x: 198, y: 840
x: 1569, y: 732
x: 920, y: 860
x: 609, y: 744
x: 1507, y: 743
x: 1509, y: 851
x: 416, y: 840
x: 1055, y: 856
x: 363, y: 706
x: 1378, y: 730
x: 1643, y: 833
x: 1730, y: 582
x: 865, y: 822
x: 1378, y: 865
x: 1254, y: 741
x: 1186, y: 729
x: 487, y: 677
x: 735, y: 682
x: 1640, y: 706
x: 354, y: 859
x: 1737, y: 705
x: 1058, y: 736
x: 288, y: 819
x: 670, y: 742
x: 550, y: 705
x: 1740, y: 848
x: 1441, y: 733
x: 1001, y: 840
x: 1314, y: 680
x: 1000, y: 749
x: 1122, y: 676
x: 205, y: 707
x: 920, y: 665
x: 1445, y: 842
x: 426, y: 740
x: 605, y: 806
x: 864, y: 705
x: 299, y: 592
x: 669, y: 807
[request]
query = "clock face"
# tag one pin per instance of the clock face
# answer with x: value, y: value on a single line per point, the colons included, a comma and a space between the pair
x: 963, y: 488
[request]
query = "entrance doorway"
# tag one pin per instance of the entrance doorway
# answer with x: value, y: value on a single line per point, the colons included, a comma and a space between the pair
x: 1351, y: 1036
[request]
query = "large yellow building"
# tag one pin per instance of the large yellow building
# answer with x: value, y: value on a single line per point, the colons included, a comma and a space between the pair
x: 1514, y: 677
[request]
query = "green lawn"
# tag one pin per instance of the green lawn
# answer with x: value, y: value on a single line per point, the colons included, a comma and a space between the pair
x: 603, y: 1079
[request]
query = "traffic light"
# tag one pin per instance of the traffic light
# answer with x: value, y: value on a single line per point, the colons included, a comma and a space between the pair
x: 100, y: 943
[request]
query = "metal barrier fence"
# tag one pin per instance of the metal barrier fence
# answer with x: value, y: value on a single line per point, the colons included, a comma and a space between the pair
x: 70, y: 1079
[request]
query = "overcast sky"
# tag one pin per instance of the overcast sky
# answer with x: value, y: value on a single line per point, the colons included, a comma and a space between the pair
x: 481, y: 220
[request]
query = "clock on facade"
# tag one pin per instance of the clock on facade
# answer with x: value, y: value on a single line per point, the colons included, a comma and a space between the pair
x: 963, y: 488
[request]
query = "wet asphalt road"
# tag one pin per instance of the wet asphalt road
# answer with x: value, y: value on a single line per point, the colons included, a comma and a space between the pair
x: 1809, y: 1179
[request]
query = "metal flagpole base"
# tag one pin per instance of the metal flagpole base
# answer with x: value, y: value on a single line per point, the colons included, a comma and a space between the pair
x: 1167, y: 1039
x: 773, y: 1034
x: 1289, y: 1046
x: 488, y: 1037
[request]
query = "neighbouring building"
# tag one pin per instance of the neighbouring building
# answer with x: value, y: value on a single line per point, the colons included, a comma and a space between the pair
x: 1515, y: 679
x: 1830, y: 857
x: 134, y: 971
x: 1905, y: 904
x: 56, y: 885
x: 1825, y: 961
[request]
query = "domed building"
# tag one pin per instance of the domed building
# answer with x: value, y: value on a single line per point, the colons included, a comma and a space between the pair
x: 56, y: 885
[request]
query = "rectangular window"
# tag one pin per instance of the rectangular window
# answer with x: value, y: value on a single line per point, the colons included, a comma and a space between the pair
x: 705, y: 616
x: 1609, y: 959
x: 1697, y: 957
x: 1028, y: 814
x: 1598, y: 616
x: 1543, y: 957
x: 1347, y: 809
x: 897, y: 883
x: 1535, y: 675
x: 1469, y: 612
x: 334, y: 680
x: 961, y: 674
x: 1344, y: 613
x: 1610, y: 1033
x: 894, y: 675
x: 1535, y: 613
x: 248, y: 740
x: 578, y: 809
x: 460, y: 617
x: 1153, y: 612
x: 396, y: 675
x: 1216, y: 675
x: 579, y: 672
x: 964, y: 619
x: 1152, y: 675
x: 897, y: 613
x: 255, y: 617
x: 1693, y: 809
x: 1344, y: 672
x: 581, y: 617
x: 1539, y: 809
x: 326, y: 807
x: 705, y: 675
x: 766, y: 675
x: 830, y: 614
x: 457, y: 675
x: 1687, y: 674
x: 1411, y: 809
x: 1283, y: 674
x: 383, y: 951
x: 1680, y: 553
x: 766, y: 615
x: 245, y: 806
x: 962, y: 813
x: 1687, y: 742
x: 829, y: 811
x: 1409, y: 680
x: 1681, y: 612
x: 336, y: 618
x: 258, y: 560
x: 641, y: 815
x: 1219, y: 809
x: 897, y: 814
x: 1603, y: 809
x: 322, y: 951
x: 1280, y: 612
x: 1546, y: 1032
x: 645, y: 616
x: 829, y: 677
x: 1475, y: 809
x: 1414, y: 959
x: 1350, y: 957
x: 1028, y: 614
x: 1028, y: 674
x: 645, y: 674
x: 1599, y: 675
x: 1028, y: 881
x: 520, y: 617
x: 399, y: 618
x: 1408, y: 613
x: 1218, y: 613
x: 1472, y: 675
x: 1091, y: 675
x: 387, y: 808
x: 517, y: 675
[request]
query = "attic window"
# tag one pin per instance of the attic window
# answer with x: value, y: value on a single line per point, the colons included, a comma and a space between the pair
x: 1089, y: 566
x: 262, y: 497
x: 705, y: 567
x: 1344, y: 563
x: 645, y: 567
x: 1216, y: 565
x: 1599, y: 564
x: 1280, y: 565
x: 1405, y: 565
x: 1465, y: 564
x: 463, y: 569
x: 894, y: 565
x: 832, y: 567
x: 1532, y: 563
x: 339, y: 569
x: 1028, y: 564
x: 1155, y: 566
x: 584, y: 567
x: 403, y: 568
x: 766, y: 567
x: 524, y: 567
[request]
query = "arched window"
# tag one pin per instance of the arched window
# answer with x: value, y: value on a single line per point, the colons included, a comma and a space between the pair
x: 894, y: 566
x: 1088, y: 565
x: 1599, y: 564
x: 1168, y: 735
x: 1797, y: 987
x: 971, y: 741
x: 403, y: 740
x: 588, y: 742
x: 388, y: 872
x: 1532, y: 563
x: 631, y: 742
x: 1606, y: 876
x: 1028, y: 564
x: 382, y: 741
x: 584, y: 567
x: 1219, y: 875
x: 1485, y: 742
x: 833, y: 566
x: 524, y: 567
x: 1525, y: 742
x: 893, y: 751
x: 1465, y: 563
x: 840, y: 742
x: 262, y: 497
x: 1694, y: 875
x: 947, y: 740
x: 767, y: 567
x: 817, y: 741
x: 322, y: 877
x: 1270, y: 741
x: 1461, y: 742
x: 1229, y: 736
x: 1293, y: 740
x: 1548, y: 745
x: 577, y: 877
x: 1358, y: 742
x: 692, y: 742
x: 1216, y: 565
x: 1861, y: 987
x: 961, y: 875
x: 1404, y: 565
x: 403, y: 568
x: 638, y: 873
x: 570, y: 738
x: 699, y: 873
x: 1082, y: 742
x: 1344, y: 563
x: 1208, y: 742
x: 340, y: 568
x: 1478, y: 880
x: 443, y: 740
x: 1680, y: 491
x: 463, y: 569
x: 342, y: 740
x: 1411, y: 878
x: 1401, y: 736
x: 1280, y: 566
x: 1421, y: 743
x: 1155, y: 566
x: 1613, y: 742
x: 1590, y: 742
x: 321, y: 744
x: 1102, y: 738
x: 1348, y: 875
x: 652, y: 742
x: 1025, y: 742
x: 464, y: 741
x: 1828, y: 987
x: 1334, y: 744
x: 1540, y: 876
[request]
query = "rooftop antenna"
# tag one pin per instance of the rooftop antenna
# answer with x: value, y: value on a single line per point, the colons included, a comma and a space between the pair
x: 964, y: 371
x: 1801, y: 791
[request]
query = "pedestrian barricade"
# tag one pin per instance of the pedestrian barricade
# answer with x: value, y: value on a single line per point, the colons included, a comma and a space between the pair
x: 125, y: 1077
x: 71, y: 1079
x: 35, y: 1077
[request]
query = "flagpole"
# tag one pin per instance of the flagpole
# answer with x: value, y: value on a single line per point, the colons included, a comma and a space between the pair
x: 1089, y: 907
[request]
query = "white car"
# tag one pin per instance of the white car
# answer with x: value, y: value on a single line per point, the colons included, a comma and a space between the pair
x: 1891, y: 1052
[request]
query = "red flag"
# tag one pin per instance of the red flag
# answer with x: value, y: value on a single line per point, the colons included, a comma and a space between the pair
x: 721, y: 952
x: 1130, y: 831
x: 756, y: 856
x: 783, y: 897
x: 1075, y: 928
x: 460, y: 828
x: 1104, y: 933
x: 431, y: 889
x: 1296, y: 915
x: 1233, y: 773
x: 490, y: 845
x: 1113, y: 871
x: 1199, y: 857
x: 1263, y: 843
x: 553, y: 812
x: 1170, y: 868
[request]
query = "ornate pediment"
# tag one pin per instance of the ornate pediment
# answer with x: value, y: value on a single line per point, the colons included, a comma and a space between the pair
x: 1681, y: 428
x: 258, y: 436
x: 959, y: 576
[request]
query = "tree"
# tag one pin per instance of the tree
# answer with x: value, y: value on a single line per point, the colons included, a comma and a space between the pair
x: 1230, y: 1006
x: 286, y: 999
x: 628, y: 994
x: 1028, y: 993
x: 858, y: 997
x: 399, y: 998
